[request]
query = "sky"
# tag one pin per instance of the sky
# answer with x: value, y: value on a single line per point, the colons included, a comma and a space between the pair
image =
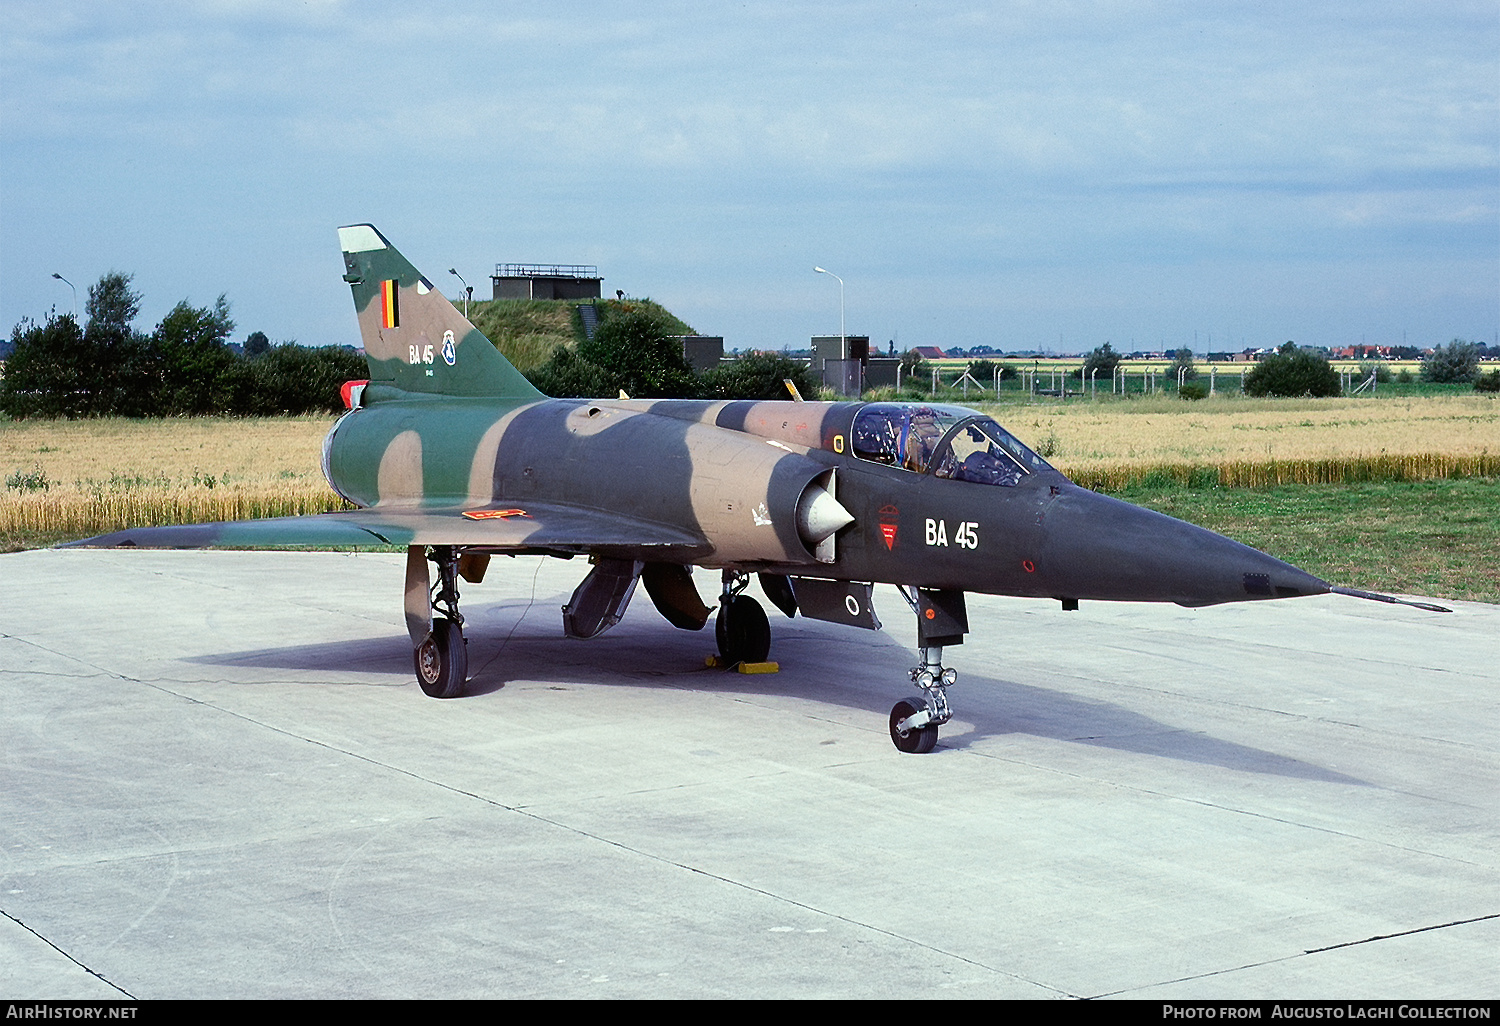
x: 1049, y: 175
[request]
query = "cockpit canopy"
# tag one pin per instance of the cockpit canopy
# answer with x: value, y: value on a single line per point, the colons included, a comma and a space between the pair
x: 945, y: 441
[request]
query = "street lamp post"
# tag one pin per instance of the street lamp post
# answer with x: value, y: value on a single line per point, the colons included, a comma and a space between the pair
x: 468, y: 290
x: 843, y: 339
x: 75, y: 292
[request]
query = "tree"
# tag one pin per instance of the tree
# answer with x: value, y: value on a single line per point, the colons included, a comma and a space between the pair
x: 197, y: 374
x: 760, y: 376
x: 1292, y: 372
x: 39, y: 381
x: 638, y: 351
x: 1182, y: 363
x: 256, y: 344
x: 1101, y: 363
x: 915, y: 371
x: 986, y: 372
x: 113, y: 305
x: 293, y: 379
x: 1457, y: 361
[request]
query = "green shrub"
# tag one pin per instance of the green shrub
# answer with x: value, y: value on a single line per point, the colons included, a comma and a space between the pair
x: 33, y: 480
x: 1292, y: 372
x: 1102, y: 362
x: 760, y: 376
x: 1488, y: 382
x: 293, y: 379
x: 1193, y: 390
x: 1457, y: 361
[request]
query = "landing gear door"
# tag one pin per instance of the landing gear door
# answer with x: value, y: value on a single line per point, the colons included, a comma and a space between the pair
x: 836, y: 601
x: 600, y: 601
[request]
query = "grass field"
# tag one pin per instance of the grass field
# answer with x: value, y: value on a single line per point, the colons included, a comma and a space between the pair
x: 1414, y: 506
x: 1439, y: 538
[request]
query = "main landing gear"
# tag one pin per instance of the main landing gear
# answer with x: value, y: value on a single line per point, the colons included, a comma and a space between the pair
x: 942, y: 619
x: 742, y: 630
x: 440, y: 654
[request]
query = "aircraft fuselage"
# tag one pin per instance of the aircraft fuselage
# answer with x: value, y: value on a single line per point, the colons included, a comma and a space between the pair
x: 732, y: 474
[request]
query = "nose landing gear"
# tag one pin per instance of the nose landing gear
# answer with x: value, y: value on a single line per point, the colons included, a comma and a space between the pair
x: 942, y: 619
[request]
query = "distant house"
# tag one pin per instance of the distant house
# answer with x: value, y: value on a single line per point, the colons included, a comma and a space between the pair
x: 929, y: 352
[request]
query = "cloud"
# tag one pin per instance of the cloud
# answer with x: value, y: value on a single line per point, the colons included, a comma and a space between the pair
x: 671, y: 137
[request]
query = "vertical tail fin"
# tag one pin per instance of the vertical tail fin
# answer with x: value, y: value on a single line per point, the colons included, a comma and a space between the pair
x: 414, y: 338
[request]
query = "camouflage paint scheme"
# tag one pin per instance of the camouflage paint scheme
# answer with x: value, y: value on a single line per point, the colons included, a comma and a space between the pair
x: 449, y: 451
x: 447, y: 431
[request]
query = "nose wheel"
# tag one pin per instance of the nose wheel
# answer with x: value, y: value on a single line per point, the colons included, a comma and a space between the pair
x: 941, y: 620
x: 906, y: 738
x: 915, y: 721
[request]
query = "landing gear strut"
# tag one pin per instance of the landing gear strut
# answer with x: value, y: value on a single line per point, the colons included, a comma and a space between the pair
x: 441, y: 657
x: 941, y: 620
x: 742, y: 630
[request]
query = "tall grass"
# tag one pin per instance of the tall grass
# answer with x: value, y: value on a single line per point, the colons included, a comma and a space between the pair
x: 525, y: 330
x: 81, y: 515
x: 1270, y: 473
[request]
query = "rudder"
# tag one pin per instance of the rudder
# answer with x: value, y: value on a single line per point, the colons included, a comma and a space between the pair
x: 414, y: 338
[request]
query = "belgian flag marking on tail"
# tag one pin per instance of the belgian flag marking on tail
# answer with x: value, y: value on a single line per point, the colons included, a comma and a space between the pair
x: 390, y: 314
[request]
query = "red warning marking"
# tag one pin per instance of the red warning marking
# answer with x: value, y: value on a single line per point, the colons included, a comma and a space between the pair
x: 1028, y: 566
x: 491, y: 514
x: 888, y: 532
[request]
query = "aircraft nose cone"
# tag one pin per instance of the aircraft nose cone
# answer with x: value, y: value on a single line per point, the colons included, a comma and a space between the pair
x: 1098, y: 547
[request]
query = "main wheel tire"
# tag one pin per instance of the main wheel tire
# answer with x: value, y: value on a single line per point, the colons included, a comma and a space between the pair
x: 916, y: 742
x: 442, y: 660
x: 743, y: 632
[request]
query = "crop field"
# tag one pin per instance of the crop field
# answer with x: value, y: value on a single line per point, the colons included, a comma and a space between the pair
x: 1396, y: 494
x: 70, y: 479
x: 1259, y: 442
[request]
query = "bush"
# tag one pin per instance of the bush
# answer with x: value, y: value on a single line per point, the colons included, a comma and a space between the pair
x: 913, y: 366
x: 1193, y: 390
x: 41, y: 378
x: 760, y: 376
x: 1182, y: 363
x: 33, y: 480
x: 1101, y: 363
x: 1457, y: 361
x: 1291, y: 372
x: 637, y: 349
x: 293, y: 379
x: 1488, y: 382
x: 565, y: 375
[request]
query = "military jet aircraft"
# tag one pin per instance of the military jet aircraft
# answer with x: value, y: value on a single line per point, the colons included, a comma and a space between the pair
x: 449, y: 451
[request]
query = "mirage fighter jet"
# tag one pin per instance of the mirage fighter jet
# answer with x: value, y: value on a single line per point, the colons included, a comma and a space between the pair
x: 449, y: 451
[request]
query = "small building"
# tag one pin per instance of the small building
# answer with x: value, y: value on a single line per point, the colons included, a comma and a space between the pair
x: 545, y: 281
x: 702, y: 352
x: 839, y: 362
